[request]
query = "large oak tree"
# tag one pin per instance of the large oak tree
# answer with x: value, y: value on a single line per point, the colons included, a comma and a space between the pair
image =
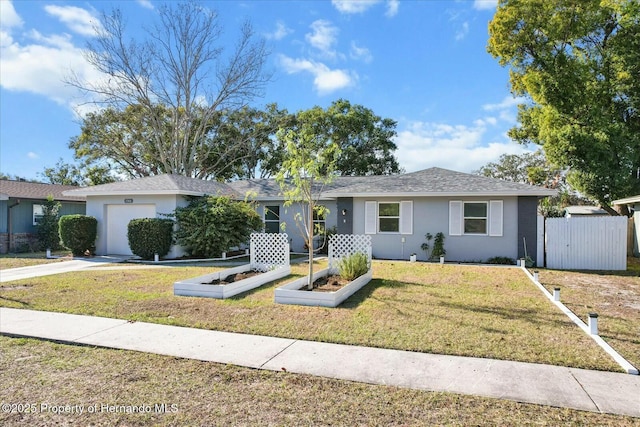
x: 578, y: 64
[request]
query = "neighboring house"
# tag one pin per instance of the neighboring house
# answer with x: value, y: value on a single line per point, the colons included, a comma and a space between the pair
x: 634, y: 206
x: 21, y: 209
x: 117, y: 203
x: 480, y: 217
x: 584, y: 211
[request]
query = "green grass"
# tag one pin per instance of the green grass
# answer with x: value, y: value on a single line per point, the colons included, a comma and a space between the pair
x: 488, y: 312
x: 204, y: 393
x: 31, y: 258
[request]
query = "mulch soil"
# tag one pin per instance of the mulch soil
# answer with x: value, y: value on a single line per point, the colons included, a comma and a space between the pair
x: 233, y: 278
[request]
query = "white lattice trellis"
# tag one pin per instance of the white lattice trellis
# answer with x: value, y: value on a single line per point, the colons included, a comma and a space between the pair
x: 269, y: 250
x: 341, y: 245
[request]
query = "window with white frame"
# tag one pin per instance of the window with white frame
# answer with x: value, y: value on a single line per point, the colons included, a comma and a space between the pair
x: 38, y: 214
x: 475, y: 217
x: 389, y: 217
x: 272, y: 219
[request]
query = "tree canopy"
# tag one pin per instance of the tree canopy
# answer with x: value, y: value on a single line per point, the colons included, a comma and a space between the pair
x: 578, y: 65
x: 236, y: 143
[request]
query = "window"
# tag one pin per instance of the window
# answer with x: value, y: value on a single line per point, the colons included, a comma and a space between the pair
x: 389, y: 217
x: 475, y: 217
x: 272, y: 219
x: 319, y: 222
x: 38, y: 214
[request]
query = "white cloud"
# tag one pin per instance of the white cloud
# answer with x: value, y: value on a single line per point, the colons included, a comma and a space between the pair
x: 325, y: 79
x: 77, y: 19
x: 507, y: 102
x: 463, y: 31
x: 422, y: 145
x: 9, y: 18
x: 353, y: 6
x: 32, y: 155
x: 361, y: 6
x: 360, y: 53
x: 280, y: 32
x: 505, y: 108
x: 145, y: 3
x: 392, y: 8
x: 485, y: 4
x: 40, y: 66
x: 323, y: 36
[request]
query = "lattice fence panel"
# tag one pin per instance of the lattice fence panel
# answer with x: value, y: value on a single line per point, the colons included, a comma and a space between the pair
x: 341, y: 245
x: 269, y: 250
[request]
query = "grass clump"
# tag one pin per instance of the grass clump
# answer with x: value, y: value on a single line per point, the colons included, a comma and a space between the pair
x: 353, y: 266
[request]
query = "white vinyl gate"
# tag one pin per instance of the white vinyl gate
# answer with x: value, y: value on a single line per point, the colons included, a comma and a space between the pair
x: 586, y: 243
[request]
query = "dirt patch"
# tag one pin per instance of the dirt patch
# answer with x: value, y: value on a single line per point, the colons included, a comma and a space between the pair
x: 620, y: 294
x: 233, y: 278
x: 329, y: 283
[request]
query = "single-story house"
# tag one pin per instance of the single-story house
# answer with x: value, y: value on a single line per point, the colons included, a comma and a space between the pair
x: 480, y: 217
x: 21, y: 209
x: 634, y: 205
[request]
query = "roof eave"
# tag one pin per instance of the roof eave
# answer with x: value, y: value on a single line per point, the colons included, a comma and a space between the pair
x: 443, y: 194
x: 627, y: 201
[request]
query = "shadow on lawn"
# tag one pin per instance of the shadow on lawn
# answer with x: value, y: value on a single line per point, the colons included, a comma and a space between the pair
x: 368, y: 290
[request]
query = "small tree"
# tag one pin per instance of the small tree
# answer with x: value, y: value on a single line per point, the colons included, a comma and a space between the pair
x: 211, y: 225
x: 150, y: 236
x: 310, y: 162
x: 78, y: 233
x: 48, y: 234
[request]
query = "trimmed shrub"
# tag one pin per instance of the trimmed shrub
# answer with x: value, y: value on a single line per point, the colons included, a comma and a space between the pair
x: 353, y: 266
x: 501, y: 260
x: 150, y: 236
x: 212, y: 225
x: 78, y: 233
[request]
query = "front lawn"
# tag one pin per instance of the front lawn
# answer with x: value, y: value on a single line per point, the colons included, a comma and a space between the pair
x: 614, y: 296
x: 461, y: 310
x: 202, y: 393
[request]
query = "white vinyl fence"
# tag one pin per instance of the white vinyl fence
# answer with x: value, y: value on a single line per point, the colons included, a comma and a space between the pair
x: 586, y: 243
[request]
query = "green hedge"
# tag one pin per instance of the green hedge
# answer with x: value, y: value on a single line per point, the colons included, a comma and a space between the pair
x: 78, y: 233
x: 150, y: 236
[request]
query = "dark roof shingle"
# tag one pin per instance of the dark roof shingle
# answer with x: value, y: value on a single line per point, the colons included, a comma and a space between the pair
x: 160, y: 184
x: 38, y: 191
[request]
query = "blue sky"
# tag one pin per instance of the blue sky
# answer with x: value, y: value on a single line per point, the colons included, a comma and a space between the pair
x: 421, y: 63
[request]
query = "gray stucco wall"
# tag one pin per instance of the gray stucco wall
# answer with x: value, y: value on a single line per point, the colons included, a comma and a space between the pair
x: 287, y: 216
x: 431, y: 215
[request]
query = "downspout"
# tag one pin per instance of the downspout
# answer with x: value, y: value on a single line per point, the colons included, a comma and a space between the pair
x: 9, y: 224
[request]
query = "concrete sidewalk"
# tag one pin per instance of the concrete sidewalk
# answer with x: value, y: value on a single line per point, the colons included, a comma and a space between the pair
x: 595, y: 391
x: 56, y: 267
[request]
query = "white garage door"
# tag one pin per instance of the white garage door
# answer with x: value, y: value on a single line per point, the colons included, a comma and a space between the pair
x: 118, y: 217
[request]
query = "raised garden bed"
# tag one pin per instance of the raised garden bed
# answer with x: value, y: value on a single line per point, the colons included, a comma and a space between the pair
x: 269, y: 256
x: 296, y: 292
x: 202, y: 286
